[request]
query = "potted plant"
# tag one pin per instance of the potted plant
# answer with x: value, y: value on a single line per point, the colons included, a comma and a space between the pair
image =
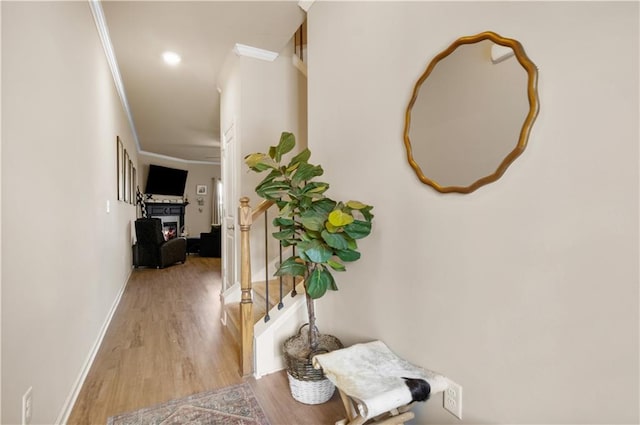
x: 324, y: 233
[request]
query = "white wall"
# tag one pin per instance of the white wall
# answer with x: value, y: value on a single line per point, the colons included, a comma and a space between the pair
x: 263, y: 99
x: 65, y: 257
x: 526, y: 291
x: 198, y: 218
x: 270, y: 104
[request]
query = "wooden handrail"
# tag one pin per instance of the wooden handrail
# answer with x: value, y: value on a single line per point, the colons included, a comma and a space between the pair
x: 261, y: 208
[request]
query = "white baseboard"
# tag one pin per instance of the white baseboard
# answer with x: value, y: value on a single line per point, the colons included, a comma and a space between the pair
x: 63, y: 417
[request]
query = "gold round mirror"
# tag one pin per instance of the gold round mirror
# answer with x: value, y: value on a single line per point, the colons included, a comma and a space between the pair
x: 471, y: 113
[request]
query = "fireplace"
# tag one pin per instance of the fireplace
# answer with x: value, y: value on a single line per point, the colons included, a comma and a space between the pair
x: 170, y: 226
x: 171, y: 214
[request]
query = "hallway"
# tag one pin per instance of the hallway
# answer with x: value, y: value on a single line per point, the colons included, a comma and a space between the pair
x: 166, y: 342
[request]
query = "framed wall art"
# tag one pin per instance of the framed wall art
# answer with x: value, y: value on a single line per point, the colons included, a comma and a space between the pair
x: 201, y: 189
x: 127, y: 178
x: 120, y: 168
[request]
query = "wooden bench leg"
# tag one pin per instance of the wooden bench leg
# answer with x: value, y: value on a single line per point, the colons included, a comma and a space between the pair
x: 397, y: 416
x: 350, y: 409
x: 396, y: 420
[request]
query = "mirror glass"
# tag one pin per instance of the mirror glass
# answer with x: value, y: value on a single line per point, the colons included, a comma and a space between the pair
x: 471, y: 113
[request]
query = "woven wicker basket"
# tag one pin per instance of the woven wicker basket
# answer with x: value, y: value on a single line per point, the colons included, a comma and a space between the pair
x: 308, y: 385
x: 311, y: 392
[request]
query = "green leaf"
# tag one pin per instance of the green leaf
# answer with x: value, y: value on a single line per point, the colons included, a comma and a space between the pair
x: 266, y: 181
x: 306, y: 172
x: 339, y: 267
x: 286, y: 144
x: 358, y: 229
x: 318, y: 283
x: 339, y: 218
x: 324, y: 205
x: 315, y: 251
x: 332, y: 282
x: 315, y: 187
x: 291, y: 168
x: 330, y: 227
x: 301, y: 157
x: 272, y: 190
x: 275, y: 173
x: 259, y: 162
x: 312, y: 234
x: 305, y: 202
x: 284, y: 234
x: 348, y: 255
x: 313, y: 220
x: 303, y: 256
x: 356, y: 205
x: 291, y: 267
x: 283, y: 222
x: 334, y: 240
x: 366, y: 212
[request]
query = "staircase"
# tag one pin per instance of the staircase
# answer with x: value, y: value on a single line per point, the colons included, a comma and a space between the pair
x: 261, y: 314
x: 259, y: 309
x: 300, y: 48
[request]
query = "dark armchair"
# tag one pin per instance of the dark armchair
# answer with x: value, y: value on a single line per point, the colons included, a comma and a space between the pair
x: 210, y: 244
x: 152, y: 250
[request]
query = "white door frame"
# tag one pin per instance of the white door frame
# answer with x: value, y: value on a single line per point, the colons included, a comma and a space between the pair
x: 230, y: 229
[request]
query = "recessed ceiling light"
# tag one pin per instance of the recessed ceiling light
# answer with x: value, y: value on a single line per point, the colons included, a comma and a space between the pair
x: 171, y: 58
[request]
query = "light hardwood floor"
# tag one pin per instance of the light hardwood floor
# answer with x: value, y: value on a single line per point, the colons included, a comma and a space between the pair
x: 166, y: 342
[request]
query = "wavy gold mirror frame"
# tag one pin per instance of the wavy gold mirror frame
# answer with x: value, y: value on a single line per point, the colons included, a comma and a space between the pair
x: 465, y: 152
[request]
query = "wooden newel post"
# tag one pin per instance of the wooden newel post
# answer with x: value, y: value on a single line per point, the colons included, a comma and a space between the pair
x: 246, y: 303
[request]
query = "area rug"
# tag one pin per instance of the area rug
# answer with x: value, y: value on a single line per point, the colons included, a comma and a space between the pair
x: 235, y: 405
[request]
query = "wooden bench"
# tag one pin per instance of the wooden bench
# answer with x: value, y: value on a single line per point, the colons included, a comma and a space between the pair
x: 377, y: 386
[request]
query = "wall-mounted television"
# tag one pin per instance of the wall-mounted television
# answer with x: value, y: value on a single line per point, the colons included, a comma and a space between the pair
x: 165, y: 181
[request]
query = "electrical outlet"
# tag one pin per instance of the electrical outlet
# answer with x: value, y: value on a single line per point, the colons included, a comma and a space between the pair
x: 453, y: 399
x: 27, y: 407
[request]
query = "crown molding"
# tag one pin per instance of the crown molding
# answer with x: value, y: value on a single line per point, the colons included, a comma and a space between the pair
x: 305, y: 4
x: 173, y: 158
x: 103, y: 31
x: 254, y: 52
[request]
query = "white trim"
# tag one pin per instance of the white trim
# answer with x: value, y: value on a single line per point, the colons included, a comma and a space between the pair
x: 63, y: 417
x: 305, y: 4
x: 103, y: 31
x: 173, y: 158
x: 254, y: 52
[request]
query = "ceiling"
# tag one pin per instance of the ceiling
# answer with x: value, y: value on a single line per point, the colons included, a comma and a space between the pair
x: 176, y: 110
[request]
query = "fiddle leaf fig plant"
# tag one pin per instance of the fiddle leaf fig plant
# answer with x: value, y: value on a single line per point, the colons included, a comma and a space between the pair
x: 323, y: 231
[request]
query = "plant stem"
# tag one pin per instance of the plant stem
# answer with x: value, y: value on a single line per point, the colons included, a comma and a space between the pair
x: 313, y: 331
x: 311, y: 312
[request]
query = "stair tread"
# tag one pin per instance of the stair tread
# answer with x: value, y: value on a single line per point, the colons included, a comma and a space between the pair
x: 259, y: 290
x: 259, y: 307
